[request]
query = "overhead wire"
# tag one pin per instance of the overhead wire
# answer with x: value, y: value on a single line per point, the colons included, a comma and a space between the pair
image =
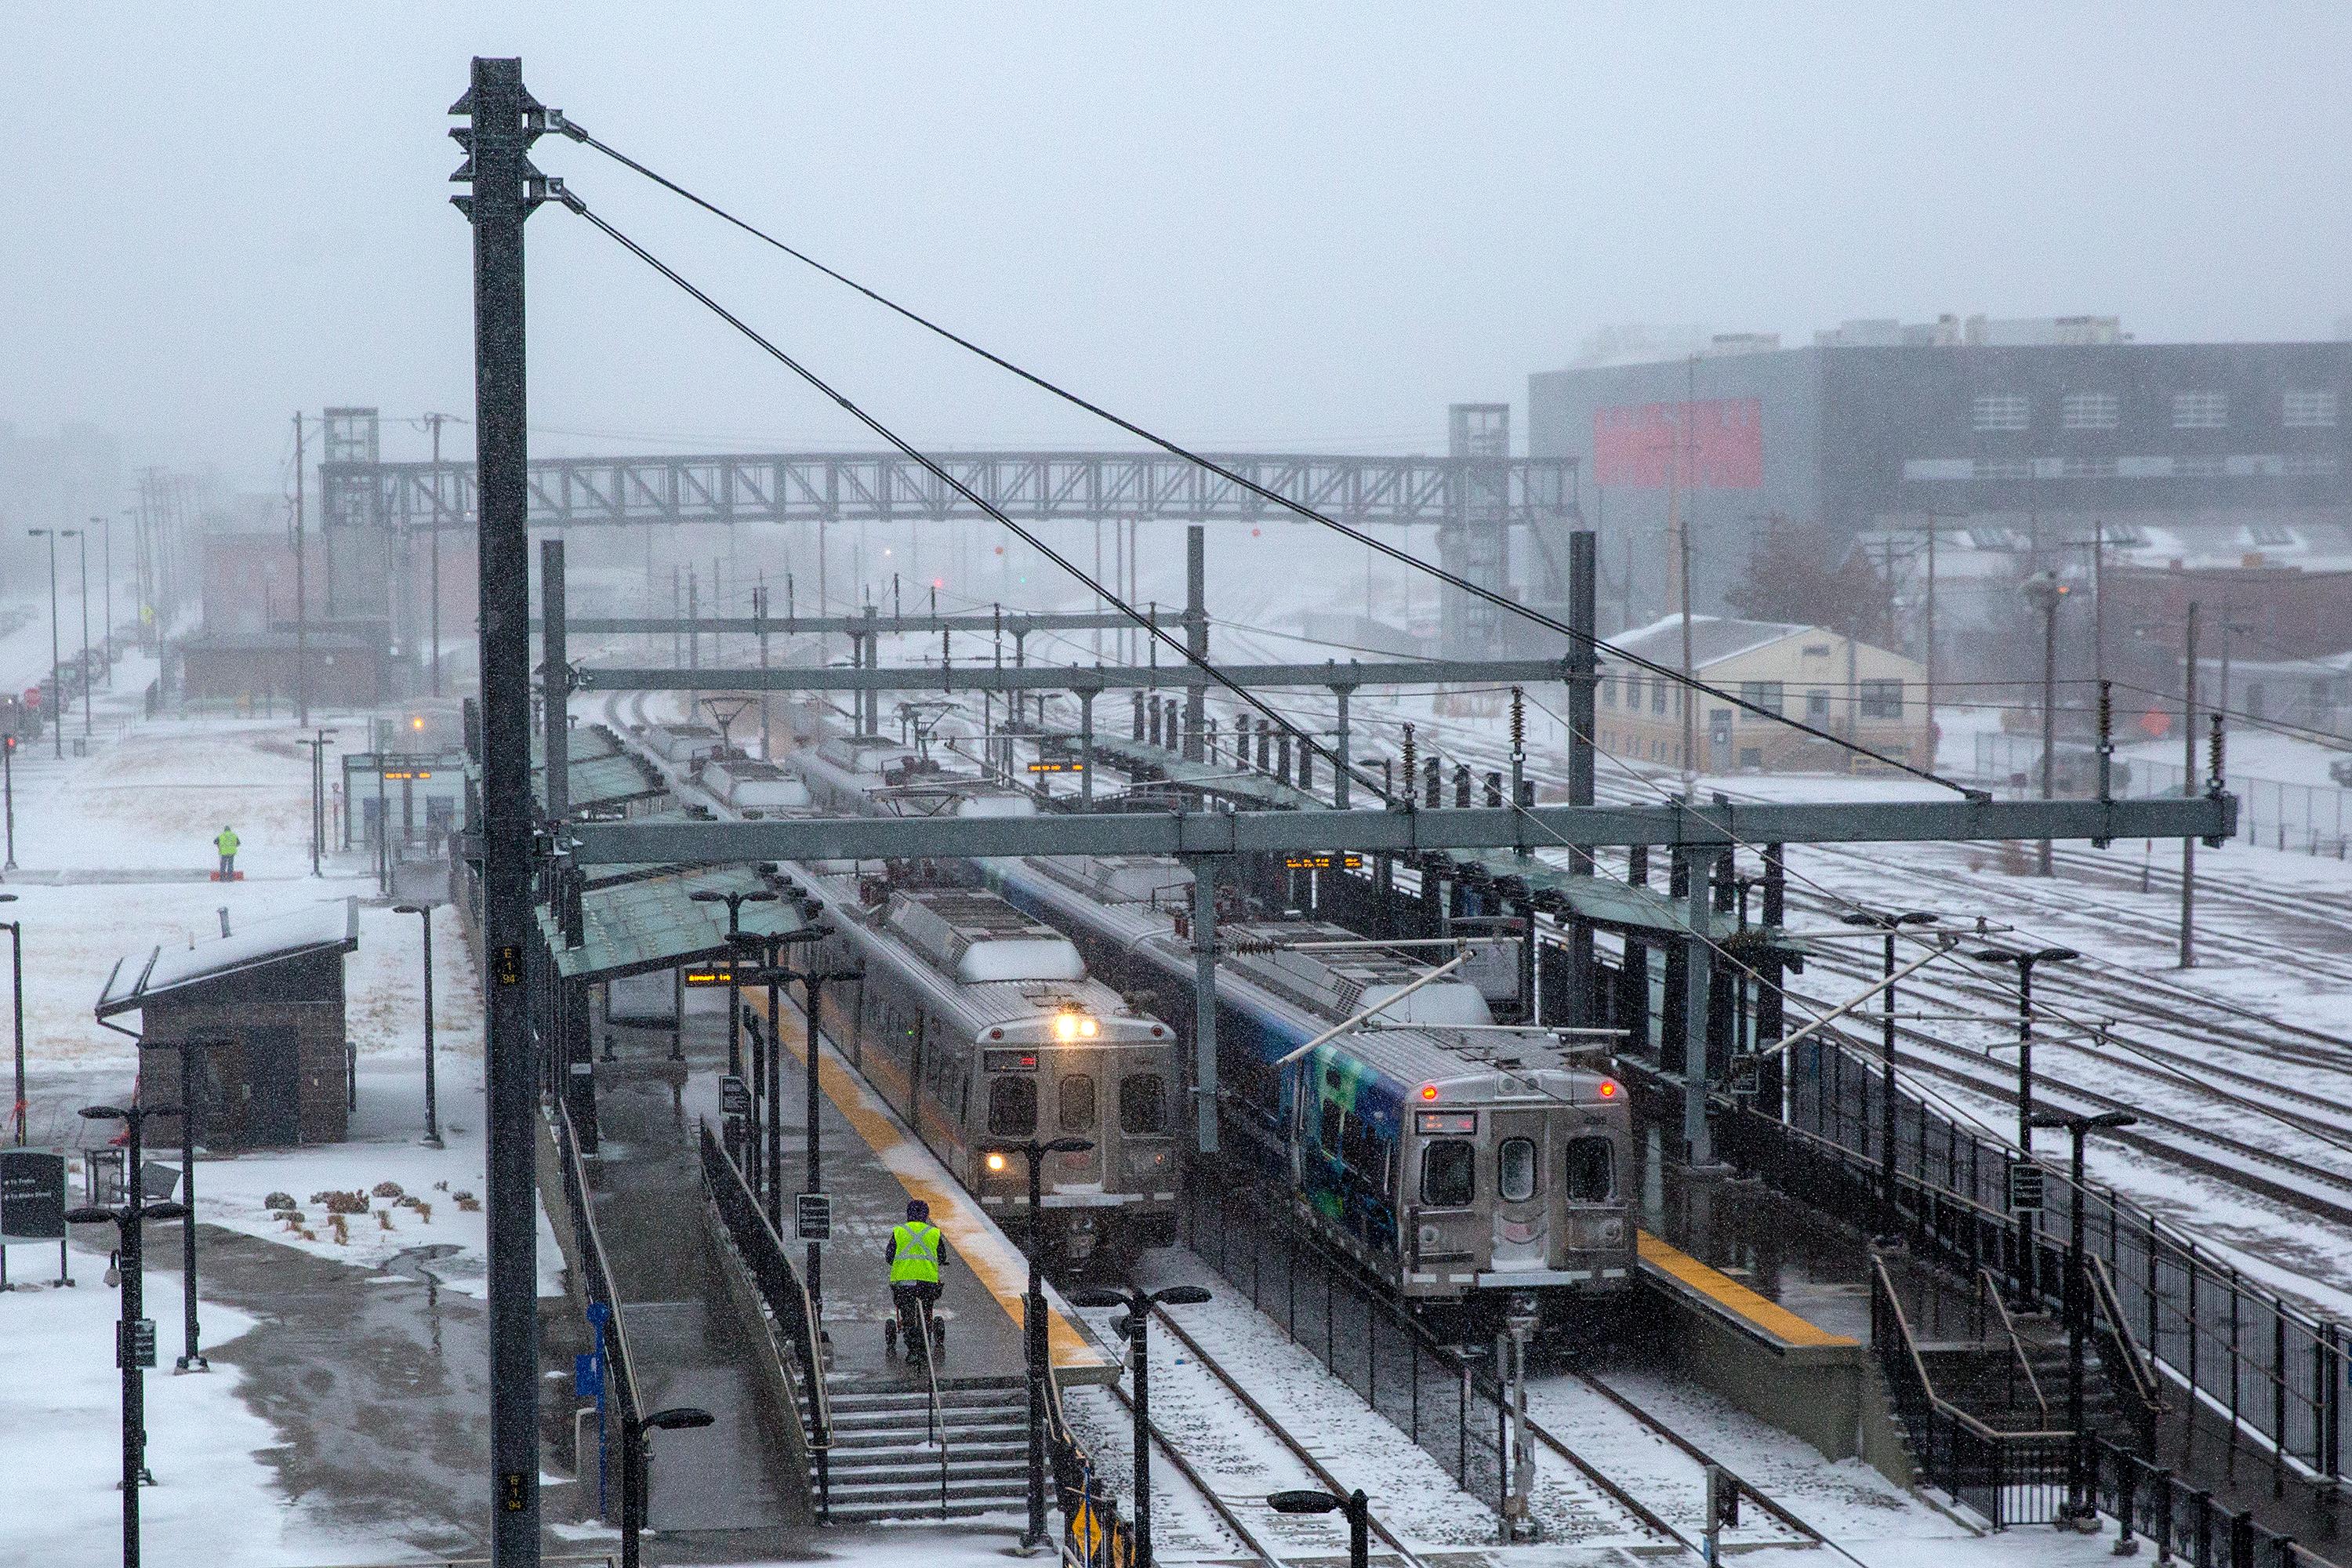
x: 1151, y: 624
x: 1499, y: 600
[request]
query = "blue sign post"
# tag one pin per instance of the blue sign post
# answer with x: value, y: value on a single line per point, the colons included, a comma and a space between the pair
x: 588, y: 1375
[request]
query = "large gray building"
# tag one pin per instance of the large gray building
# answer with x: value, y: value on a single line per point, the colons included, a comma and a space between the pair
x: 2037, y: 427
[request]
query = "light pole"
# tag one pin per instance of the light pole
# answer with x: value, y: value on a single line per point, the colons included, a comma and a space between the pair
x: 1887, y: 922
x: 2025, y: 958
x: 16, y: 930
x: 1355, y: 1505
x: 813, y: 986
x: 56, y: 654
x: 734, y: 902
x: 192, y: 1356
x: 83, y: 535
x: 2045, y: 594
x: 636, y: 1456
x: 432, y: 1121
x: 1033, y: 1310
x: 318, y: 794
x: 2078, y: 1297
x: 8, y: 793
x: 130, y: 1221
x: 1139, y: 1303
x: 106, y: 576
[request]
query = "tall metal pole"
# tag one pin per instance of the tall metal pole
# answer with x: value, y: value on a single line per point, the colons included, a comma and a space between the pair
x: 16, y: 992
x: 56, y: 654
x: 1583, y: 668
x: 192, y: 1356
x: 1204, y: 1013
x: 1685, y: 695
x: 106, y: 585
x: 134, y: 1308
x: 2188, y: 787
x: 434, y: 551
x: 1196, y: 635
x: 301, y: 594
x: 555, y: 705
x: 83, y: 534
x: 503, y: 121
x: 2049, y: 719
x: 1138, y: 1319
x: 1698, y: 967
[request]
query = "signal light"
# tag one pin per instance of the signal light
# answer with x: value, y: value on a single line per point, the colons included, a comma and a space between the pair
x: 1608, y: 1089
x: 1429, y: 1092
x: 995, y: 1162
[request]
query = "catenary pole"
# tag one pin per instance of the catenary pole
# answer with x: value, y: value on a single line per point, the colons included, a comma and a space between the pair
x: 2188, y: 787
x: 503, y: 121
x: 302, y: 593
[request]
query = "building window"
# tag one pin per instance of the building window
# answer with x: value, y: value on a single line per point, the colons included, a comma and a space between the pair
x: 2200, y: 410
x: 2001, y: 411
x: 2308, y: 411
x: 1658, y: 694
x: 2089, y: 411
x: 1882, y: 699
x: 1609, y: 691
x: 1764, y: 694
x: 1817, y: 705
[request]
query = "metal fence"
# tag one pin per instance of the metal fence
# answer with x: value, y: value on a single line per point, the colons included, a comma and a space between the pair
x: 2312, y: 818
x: 2268, y: 1370
x: 617, y: 1376
x: 785, y: 1294
x: 1452, y: 1410
x: 2186, y: 1522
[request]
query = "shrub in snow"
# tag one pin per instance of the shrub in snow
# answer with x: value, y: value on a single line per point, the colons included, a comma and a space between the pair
x: 294, y: 1217
x: 440, y: 1186
x: 424, y: 1213
x: 278, y: 1201
x: 387, y: 1189
x: 383, y: 1219
x: 342, y: 1228
x: 341, y: 1202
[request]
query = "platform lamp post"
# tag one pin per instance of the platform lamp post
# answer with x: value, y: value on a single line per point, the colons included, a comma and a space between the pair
x: 16, y: 930
x: 1139, y: 1303
x: 432, y: 1117
x: 813, y: 986
x: 1355, y: 1505
x: 2078, y: 1299
x: 636, y: 1456
x: 317, y: 745
x: 56, y: 654
x: 1887, y: 922
x: 82, y: 534
x: 1033, y: 1310
x: 130, y: 1221
x: 734, y: 902
x: 2044, y: 593
x: 2028, y: 1267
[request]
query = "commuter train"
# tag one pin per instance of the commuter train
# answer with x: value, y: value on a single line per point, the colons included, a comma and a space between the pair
x: 981, y: 1028
x: 1446, y: 1161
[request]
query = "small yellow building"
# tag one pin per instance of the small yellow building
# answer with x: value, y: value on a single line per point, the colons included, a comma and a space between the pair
x: 1850, y: 688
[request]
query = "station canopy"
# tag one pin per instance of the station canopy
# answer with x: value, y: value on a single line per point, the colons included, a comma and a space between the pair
x: 139, y: 977
x: 649, y: 921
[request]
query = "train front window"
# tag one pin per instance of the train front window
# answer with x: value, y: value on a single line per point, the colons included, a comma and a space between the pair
x: 1012, y: 1108
x: 1449, y: 1172
x: 1515, y: 1170
x: 1591, y: 1170
x: 1078, y: 1112
x: 1142, y: 1104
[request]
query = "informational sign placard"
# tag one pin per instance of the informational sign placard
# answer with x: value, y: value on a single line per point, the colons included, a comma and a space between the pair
x: 734, y: 1095
x: 2025, y: 1187
x: 134, y: 1343
x: 814, y: 1211
x: 32, y: 1195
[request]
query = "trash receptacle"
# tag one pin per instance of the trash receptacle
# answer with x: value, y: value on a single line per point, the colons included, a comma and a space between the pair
x: 81, y: 745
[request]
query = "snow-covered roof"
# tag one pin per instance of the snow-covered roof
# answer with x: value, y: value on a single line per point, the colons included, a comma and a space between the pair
x: 140, y: 976
x: 1713, y: 639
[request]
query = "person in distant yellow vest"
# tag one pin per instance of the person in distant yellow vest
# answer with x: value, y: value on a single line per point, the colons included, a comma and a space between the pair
x: 917, y: 1254
x: 227, y: 843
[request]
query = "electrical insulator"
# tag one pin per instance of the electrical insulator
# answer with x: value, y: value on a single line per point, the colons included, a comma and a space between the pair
x: 1519, y: 722
x: 1408, y: 758
x: 2213, y: 756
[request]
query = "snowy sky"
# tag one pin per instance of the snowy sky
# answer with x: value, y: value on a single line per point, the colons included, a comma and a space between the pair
x: 1309, y: 225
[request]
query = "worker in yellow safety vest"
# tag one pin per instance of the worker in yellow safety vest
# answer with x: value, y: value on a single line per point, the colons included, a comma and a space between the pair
x: 918, y: 1252
x: 227, y: 843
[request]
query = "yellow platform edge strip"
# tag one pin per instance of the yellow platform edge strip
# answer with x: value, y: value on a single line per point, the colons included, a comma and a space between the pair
x: 1733, y: 1297
x: 976, y: 1244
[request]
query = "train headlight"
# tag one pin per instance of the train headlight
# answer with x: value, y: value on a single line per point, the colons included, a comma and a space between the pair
x: 1086, y: 1029
x: 1073, y: 1026
x: 995, y: 1162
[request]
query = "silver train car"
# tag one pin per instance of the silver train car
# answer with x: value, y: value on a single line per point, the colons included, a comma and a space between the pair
x: 980, y: 1027
x: 1458, y: 1166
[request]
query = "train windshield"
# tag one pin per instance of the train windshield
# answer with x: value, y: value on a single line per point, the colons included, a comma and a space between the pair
x: 1012, y: 1108
x: 1515, y: 1170
x: 1591, y: 1170
x: 1142, y: 1103
x: 1449, y: 1172
x: 1077, y: 1109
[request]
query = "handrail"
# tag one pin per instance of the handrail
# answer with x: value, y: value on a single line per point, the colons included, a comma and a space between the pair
x: 795, y: 1313
x: 1910, y: 1351
x: 2117, y: 1337
x: 614, y: 1337
x: 1990, y: 1290
x: 932, y: 1387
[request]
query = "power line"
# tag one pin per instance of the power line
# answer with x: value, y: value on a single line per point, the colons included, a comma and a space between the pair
x: 1462, y: 584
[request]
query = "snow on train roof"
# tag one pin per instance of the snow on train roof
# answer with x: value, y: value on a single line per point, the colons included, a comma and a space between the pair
x: 979, y: 938
x: 139, y: 976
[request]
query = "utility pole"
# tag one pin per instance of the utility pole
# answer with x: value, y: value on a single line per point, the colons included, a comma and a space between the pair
x: 434, y: 569
x: 2188, y: 788
x: 301, y: 591
x: 503, y: 120
x: 1685, y: 696
x: 106, y: 574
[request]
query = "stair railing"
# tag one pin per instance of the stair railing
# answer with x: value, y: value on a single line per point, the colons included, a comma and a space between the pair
x: 1989, y: 1289
x: 939, y: 1427
x: 2120, y: 1349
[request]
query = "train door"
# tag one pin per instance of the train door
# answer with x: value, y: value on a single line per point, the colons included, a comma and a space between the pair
x: 1523, y: 1198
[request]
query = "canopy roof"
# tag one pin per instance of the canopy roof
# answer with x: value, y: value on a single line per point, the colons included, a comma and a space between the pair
x: 162, y: 970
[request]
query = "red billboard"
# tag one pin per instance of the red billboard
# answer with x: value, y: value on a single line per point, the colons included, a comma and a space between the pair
x: 1716, y: 444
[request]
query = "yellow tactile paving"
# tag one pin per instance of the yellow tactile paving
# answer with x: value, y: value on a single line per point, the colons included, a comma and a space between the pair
x: 980, y: 1247
x: 1733, y: 1297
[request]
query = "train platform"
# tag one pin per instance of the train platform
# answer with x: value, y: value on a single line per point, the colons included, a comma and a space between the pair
x: 872, y: 1165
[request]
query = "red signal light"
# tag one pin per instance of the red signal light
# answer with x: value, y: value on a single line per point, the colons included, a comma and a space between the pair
x: 1429, y: 1092
x: 1608, y: 1089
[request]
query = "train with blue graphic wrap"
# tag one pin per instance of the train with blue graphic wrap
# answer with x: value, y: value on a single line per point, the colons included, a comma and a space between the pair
x: 1468, y: 1169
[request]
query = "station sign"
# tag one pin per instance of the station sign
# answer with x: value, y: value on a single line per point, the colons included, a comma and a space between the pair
x: 2026, y: 1186
x: 708, y: 974
x: 1324, y: 862
x: 32, y: 1195
x: 813, y: 1213
x: 134, y: 1343
x: 734, y: 1095
x: 406, y: 773
x: 1054, y: 765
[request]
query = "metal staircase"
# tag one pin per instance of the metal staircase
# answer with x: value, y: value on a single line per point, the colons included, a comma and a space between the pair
x: 893, y: 1457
